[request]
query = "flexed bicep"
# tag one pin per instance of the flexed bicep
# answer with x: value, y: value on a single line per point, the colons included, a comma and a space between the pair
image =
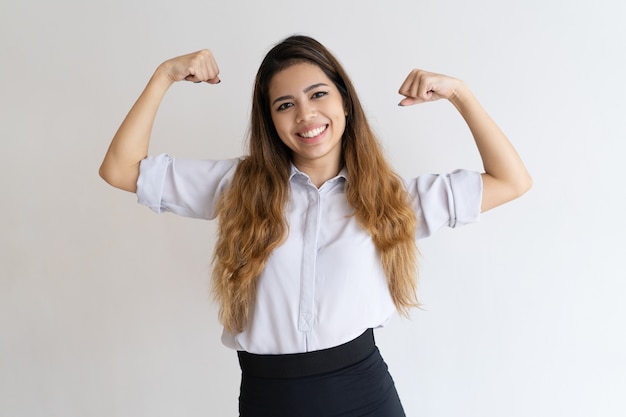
x: 129, y: 146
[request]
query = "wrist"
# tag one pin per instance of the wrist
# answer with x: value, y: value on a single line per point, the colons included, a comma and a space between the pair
x: 162, y: 75
x: 461, y: 95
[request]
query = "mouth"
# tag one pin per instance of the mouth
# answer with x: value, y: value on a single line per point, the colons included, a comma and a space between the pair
x: 313, y: 132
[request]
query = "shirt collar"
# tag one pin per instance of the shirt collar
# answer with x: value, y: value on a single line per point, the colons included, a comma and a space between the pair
x: 342, y: 174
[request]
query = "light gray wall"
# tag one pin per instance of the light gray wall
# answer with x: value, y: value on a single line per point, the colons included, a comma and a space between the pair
x: 103, y: 305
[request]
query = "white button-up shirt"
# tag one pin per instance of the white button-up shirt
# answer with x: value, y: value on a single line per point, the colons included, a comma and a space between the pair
x: 325, y: 284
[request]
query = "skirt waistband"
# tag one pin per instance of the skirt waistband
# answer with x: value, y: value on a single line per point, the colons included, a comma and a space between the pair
x: 298, y: 365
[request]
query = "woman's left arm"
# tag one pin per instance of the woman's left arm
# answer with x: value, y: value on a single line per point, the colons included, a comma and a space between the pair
x: 505, y: 177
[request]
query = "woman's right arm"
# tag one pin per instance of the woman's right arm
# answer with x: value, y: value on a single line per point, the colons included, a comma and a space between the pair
x: 129, y: 146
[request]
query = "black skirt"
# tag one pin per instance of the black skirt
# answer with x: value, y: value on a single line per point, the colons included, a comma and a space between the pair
x: 351, y: 380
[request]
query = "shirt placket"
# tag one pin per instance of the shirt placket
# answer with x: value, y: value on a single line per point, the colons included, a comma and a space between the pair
x: 306, y: 316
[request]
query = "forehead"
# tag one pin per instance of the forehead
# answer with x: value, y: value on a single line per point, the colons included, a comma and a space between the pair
x: 295, y: 78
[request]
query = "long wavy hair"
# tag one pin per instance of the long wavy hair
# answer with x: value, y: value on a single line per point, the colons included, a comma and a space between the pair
x: 251, y: 211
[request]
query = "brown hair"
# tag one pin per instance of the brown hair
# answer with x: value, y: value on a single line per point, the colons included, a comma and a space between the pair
x: 251, y: 211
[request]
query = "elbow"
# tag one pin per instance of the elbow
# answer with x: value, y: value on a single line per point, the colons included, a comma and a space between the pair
x: 103, y: 173
x: 107, y: 174
x: 519, y: 187
x: 525, y: 183
x: 118, y: 179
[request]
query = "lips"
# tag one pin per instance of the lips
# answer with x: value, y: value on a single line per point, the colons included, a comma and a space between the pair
x: 312, y: 132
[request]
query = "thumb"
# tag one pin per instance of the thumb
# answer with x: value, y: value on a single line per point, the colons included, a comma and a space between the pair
x: 409, y: 101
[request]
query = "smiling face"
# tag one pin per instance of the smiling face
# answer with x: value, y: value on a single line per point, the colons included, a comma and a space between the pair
x: 309, y: 115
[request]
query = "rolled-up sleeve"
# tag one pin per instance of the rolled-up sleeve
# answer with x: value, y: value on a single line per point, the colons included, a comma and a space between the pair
x: 451, y: 200
x: 185, y: 187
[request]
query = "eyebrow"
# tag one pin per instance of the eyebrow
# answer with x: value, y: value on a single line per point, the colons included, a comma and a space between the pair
x: 306, y: 90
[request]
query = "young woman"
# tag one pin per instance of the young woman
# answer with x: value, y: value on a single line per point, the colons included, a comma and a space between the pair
x: 317, y: 234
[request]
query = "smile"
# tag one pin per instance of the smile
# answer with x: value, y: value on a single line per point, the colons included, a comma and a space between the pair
x: 313, y: 132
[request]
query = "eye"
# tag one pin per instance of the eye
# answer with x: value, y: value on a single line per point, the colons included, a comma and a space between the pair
x: 284, y: 106
x: 319, y: 94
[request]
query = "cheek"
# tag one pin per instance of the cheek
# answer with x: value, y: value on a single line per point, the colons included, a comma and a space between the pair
x: 281, y: 130
x: 278, y: 126
x: 341, y: 122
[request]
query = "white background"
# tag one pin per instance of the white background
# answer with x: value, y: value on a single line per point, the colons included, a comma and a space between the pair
x: 104, y: 306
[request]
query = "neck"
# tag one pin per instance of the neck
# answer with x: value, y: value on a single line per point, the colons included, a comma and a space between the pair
x: 318, y: 173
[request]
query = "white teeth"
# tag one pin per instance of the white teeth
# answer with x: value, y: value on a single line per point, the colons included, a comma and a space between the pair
x: 313, y: 133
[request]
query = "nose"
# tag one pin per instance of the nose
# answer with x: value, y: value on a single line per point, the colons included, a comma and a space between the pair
x: 306, y: 112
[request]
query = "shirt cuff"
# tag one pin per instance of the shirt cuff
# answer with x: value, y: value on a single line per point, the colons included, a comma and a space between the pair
x: 152, y: 171
x: 467, y: 190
